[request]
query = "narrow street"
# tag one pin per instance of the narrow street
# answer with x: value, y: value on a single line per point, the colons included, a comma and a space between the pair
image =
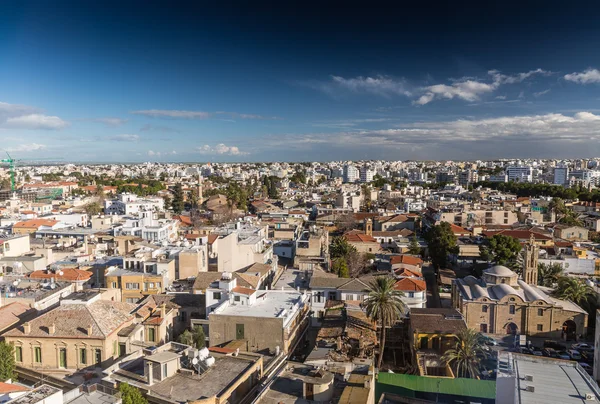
x: 433, y: 295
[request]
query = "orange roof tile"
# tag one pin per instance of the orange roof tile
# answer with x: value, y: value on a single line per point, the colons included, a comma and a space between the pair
x: 212, y: 238
x: 405, y: 272
x: 359, y: 238
x: 37, y: 223
x: 411, y: 285
x: 406, y: 259
x: 243, y: 291
x: 68, y: 274
x: 11, y: 388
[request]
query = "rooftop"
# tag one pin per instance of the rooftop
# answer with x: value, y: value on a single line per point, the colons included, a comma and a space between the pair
x: 269, y: 304
x: 37, y: 395
x: 554, y: 381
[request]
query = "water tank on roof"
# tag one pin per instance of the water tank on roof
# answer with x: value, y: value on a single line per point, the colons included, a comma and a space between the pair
x: 209, y: 361
x: 203, y: 353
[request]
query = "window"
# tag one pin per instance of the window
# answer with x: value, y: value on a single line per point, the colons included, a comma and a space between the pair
x: 164, y: 370
x: 540, y: 312
x: 182, y: 316
x: 151, y: 334
x: 411, y: 294
x: 483, y: 328
x: 131, y: 300
x: 511, y: 309
x: 484, y: 309
x: 236, y: 298
x: 98, y: 356
x: 540, y: 327
x: 62, y: 357
x: 83, y: 356
x: 19, y: 354
x: 37, y: 354
x: 6, y: 247
x: 114, y: 285
x: 216, y: 295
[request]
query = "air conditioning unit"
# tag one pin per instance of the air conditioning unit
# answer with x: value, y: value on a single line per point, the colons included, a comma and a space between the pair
x: 529, y: 378
x: 530, y: 389
x: 590, y: 397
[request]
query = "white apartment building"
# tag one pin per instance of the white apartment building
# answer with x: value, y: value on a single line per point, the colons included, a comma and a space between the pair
x: 348, y: 200
x: 131, y: 204
x: 149, y: 228
x: 351, y: 173
x: 519, y: 173
x: 366, y: 174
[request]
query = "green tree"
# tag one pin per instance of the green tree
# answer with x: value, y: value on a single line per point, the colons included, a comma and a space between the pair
x: 186, y: 338
x: 92, y: 209
x: 466, y: 355
x: 131, y: 395
x: 441, y: 241
x: 340, y: 267
x: 501, y: 249
x: 414, y: 248
x: 7, y: 362
x: 549, y: 274
x: 383, y: 304
x: 199, y: 337
x: 573, y: 289
x: 177, y: 203
x: 340, y: 248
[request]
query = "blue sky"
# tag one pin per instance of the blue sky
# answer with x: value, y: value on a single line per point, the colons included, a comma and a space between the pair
x: 149, y: 81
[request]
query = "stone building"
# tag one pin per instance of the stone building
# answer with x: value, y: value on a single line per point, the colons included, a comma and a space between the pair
x: 501, y: 303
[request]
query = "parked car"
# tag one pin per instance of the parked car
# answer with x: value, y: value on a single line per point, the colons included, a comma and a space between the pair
x: 536, y: 351
x: 564, y: 355
x: 489, y: 340
x: 582, y: 347
x: 550, y: 353
x: 574, y: 354
x: 554, y: 345
x: 587, y: 368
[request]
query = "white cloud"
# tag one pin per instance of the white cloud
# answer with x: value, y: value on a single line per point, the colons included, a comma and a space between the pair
x: 152, y: 153
x: 466, y: 90
x: 26, y: 147
x: 36, y: 121
x: 540, y: 93
x: 169, y: 113
x: 500, y: 78
x: 380, y: 85
x: 583, y: 127
x: 220, y: 149
x: 500, y: 97
x: 109, y: 121
x: 588, y: 76
x: 125, y: 138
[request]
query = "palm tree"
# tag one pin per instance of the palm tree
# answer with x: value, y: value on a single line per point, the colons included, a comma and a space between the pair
x: 383, y: 304
x: 466, y: 355
x: 549, y: 274
x: 573, y: 289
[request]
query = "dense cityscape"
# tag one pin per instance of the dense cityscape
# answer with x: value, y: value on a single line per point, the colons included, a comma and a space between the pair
x: 278, y: 203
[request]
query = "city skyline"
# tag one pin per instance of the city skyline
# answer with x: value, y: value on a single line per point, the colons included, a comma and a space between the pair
x: 142, y: 82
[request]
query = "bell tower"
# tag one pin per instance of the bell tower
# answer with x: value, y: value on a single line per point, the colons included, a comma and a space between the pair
x: 530, y: 262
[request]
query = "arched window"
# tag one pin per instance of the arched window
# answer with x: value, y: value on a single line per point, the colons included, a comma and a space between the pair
x: 484, y: 308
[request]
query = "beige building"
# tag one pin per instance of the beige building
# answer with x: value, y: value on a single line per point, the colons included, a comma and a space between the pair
x: 501, y: 303
x: 135, y: 285
x: 80, y: 333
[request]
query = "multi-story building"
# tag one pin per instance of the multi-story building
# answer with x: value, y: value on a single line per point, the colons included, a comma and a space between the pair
x: 131, y: 204
x: 82, y: 332
x: 351, y: 173
x: 148, y: 227
x: 519, y: 173
x: 366, y: 174
x: 136, y: 284
x: 561, y: 175
x: 265, y: 319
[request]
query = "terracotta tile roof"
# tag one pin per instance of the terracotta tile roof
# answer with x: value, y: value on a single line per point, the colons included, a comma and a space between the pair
x: 520, y: 234
x: 397, y: 219
x: 212, y: 238
x: 359, y: 238
x: 360, y: 216
x: 408, y: 273
x: 204, y: 279
x: 411, y: 285
x: 221, y: 350
x: 560, y: 243
x: 458, y: 230
x: 72, y: 321
x: 185, y: 220
x: 243, y: 291
x: 68, y: 274
x: 406, y: 259
x: 12, y: 313
x: 6, y: 388
x: 35, y: 223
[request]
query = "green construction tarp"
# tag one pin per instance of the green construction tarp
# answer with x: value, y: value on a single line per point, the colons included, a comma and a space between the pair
x: 408, y: 385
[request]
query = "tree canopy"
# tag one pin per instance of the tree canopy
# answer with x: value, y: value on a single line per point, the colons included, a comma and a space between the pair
x: 441, y: 241
x: 501, y: 249
x: 131, y: 395
x: 465, y: 357
x: 177, y: 203
x: 7, y: 362
x: 549, y: 274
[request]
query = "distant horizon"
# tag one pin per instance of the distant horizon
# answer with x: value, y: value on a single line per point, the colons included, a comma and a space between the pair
x: 135, y: 81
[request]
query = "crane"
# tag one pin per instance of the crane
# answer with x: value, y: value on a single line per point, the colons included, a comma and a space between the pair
x: 11, y: 167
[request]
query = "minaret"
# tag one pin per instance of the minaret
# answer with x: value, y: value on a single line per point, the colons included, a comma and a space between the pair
x: 530, y: 262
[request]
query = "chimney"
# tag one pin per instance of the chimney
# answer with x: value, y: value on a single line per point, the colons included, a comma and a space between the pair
x: 90, y: 330
x: 163, y: 310
x: 150, y: 375
x: 52, y: 329
x: 27, y: 328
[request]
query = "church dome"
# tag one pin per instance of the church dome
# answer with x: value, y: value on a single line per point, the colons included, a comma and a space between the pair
x: 499, y: 270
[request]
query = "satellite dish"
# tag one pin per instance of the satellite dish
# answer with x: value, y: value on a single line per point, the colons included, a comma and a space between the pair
x: 16, y: 282
x: 53, y: 286
x: 61, y: 273
x: 195, y: 361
